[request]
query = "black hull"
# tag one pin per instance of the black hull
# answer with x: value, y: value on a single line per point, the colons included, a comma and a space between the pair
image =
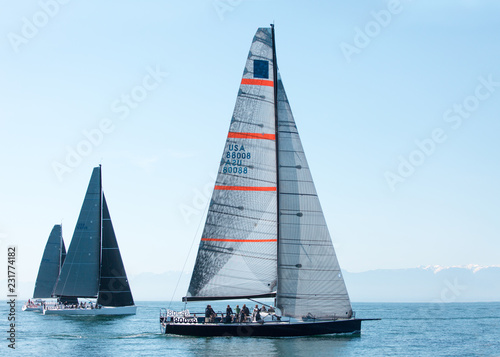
x: 282, y: 329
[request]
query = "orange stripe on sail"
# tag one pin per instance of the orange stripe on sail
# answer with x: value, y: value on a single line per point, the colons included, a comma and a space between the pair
x: 238, y: 240
x: 245, y: 188
x: 257, y: 82
x: 251, y: 136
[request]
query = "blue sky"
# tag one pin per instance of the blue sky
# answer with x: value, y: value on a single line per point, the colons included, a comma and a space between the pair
x: 415, y: 71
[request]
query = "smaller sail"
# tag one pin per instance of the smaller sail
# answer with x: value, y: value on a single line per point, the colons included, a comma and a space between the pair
x: 80, y: 272
x: 52, y: 259
x: 114, y: 289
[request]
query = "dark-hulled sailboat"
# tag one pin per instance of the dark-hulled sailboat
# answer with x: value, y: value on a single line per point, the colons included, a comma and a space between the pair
x: 48, y: 272
x: 265, y: 234
x: 93, y: 268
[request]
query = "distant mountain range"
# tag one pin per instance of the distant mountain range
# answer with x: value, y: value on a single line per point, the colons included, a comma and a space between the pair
x: 423, y: 284
x: 426, y: 284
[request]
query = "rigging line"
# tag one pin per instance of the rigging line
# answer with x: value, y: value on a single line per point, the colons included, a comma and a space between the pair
x: 259, y: 302
x: 189, y: 253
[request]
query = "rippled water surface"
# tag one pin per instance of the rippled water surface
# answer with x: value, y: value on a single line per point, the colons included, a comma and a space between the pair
x: 457, y: 329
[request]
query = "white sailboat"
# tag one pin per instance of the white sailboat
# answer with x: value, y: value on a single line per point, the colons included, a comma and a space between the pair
x: 265, y: 233
x: 93, y: 268
x: 48, y: 272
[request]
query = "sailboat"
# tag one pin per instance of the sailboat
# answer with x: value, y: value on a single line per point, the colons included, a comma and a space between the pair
x: 93, y: 268
x: 48, y: 272
x: 265, y: 234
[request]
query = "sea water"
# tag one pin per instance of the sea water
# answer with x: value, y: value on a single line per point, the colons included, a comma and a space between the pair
x: 406, y: 329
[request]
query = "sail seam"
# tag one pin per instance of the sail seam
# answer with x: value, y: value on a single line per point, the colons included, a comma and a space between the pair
x: 236, y: 135
x: 237, y: 240
x: 253, y: 179
x: 238, y: 215
x: 257, y: 82
x: 244, y: 188
x: 213, y: 249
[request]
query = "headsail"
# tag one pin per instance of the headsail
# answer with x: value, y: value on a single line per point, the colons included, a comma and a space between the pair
x: 80, y: 272
x: 237, y: 253
x: 50, y: 266
x: 310, y: 280
x: 114, y: 289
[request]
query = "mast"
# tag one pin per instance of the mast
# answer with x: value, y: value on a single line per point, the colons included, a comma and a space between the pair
x: 60, y: 252
x: 100, y: 227
x: 275, y: 79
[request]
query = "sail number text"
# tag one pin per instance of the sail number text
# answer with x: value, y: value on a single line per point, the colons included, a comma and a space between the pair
x: 235, y: 160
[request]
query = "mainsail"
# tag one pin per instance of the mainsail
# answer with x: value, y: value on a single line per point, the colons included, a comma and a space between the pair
x: 114, y: 289
x: 310, y: 280
x: 50, y: 266
x: 237, y: 253
x: 265, y: 233
x: 80, y: 272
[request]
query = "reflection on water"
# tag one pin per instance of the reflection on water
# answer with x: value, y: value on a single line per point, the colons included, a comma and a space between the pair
x: 311, y: 346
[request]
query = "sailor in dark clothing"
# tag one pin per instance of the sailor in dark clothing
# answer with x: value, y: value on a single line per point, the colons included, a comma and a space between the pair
x: 209, y: 314
x: 244, y: 313
x: 256, y: 313
x: 229, y: 312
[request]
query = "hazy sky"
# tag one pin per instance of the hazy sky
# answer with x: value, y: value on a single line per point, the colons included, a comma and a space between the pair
x: 397, y: 105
